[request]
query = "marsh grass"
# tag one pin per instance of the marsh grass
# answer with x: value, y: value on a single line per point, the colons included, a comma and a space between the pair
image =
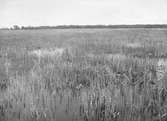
x: 89, y: 81
x: 102, y: 88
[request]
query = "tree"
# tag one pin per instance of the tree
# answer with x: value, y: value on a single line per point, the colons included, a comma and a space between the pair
x: 16, y: 27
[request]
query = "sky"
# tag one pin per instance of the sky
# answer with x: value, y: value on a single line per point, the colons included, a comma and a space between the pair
x: 81, y: 12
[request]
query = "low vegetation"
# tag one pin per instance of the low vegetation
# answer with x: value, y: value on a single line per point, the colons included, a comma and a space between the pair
x: 83, y: 78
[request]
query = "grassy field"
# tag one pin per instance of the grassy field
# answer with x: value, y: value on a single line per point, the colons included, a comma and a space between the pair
x: 83, y: 75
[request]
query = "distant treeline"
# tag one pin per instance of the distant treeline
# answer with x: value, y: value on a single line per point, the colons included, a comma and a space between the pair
x: 16, y: 27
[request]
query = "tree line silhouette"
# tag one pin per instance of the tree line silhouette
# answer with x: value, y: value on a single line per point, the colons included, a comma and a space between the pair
x: 16, y: 27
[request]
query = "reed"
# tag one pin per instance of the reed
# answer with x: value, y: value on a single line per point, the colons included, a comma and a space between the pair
x: 88, y: 81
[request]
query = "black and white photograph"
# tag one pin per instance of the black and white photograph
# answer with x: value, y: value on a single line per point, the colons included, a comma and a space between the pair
x: 83, y: 60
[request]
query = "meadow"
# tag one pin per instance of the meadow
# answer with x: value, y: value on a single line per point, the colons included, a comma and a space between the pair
x: 83, y: 75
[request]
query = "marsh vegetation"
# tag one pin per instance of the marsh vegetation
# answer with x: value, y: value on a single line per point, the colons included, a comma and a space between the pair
x: 83, y: 75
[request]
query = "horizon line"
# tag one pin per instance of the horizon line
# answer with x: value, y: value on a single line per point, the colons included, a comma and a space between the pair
x: 87, y: 26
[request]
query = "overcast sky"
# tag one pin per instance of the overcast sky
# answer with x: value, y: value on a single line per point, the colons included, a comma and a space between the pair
x: 60, y: 12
